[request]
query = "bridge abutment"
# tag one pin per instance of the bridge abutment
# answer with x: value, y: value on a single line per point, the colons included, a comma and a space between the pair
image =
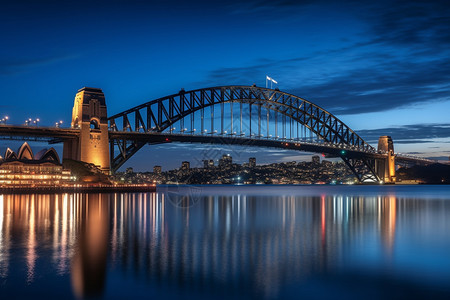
x: 90, y: 116
x: 385, y: 168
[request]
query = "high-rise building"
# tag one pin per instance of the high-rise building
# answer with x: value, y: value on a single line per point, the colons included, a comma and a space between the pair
x: 316, y: 159
x: 208, y: 163
x: 226, y: 161
x: 185, y: 165
x: 157, y: 169
x: 252, y: 162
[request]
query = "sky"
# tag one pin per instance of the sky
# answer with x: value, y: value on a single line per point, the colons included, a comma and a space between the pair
x: 382, y: 67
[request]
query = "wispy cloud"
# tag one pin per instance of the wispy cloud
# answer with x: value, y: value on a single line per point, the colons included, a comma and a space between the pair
x: 401, y: 60
x: 409, y: 134
x: 19, y: 65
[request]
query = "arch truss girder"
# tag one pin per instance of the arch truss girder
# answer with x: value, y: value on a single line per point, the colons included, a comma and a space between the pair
x: 163, y: 112
x: 363, y: 168
x: 159, y: 115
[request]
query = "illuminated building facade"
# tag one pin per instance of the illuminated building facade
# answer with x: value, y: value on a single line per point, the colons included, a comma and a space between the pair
x: 27, y: 170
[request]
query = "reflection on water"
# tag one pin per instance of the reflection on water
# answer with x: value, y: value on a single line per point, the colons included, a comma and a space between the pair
x: 224, y: 245
x: 89, y: 260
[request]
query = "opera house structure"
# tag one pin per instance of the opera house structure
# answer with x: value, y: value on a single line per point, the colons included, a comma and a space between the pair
x: 23, y: 169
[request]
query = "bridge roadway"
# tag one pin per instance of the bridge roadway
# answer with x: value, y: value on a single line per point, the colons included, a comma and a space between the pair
x: 55, y: 134
x: 330, y: 150
x: 35, y: 133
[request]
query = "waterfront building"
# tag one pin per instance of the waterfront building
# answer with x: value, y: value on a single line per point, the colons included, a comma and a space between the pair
x: 25, y: 169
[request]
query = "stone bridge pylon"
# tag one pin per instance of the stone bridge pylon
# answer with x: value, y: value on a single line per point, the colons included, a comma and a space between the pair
x: 90, y: 116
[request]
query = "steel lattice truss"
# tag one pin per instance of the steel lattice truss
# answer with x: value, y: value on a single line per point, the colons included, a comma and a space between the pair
x: 159, y: 115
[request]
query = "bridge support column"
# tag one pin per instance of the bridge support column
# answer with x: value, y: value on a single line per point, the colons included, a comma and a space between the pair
x: 385, y: 168
x: 89, y: 115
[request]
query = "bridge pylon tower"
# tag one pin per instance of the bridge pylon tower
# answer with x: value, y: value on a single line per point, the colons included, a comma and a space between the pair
x: 385, y: 168
x: 90, y: 116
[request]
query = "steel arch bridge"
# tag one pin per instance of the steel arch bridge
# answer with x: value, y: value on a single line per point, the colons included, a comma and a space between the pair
x: 242, y: 115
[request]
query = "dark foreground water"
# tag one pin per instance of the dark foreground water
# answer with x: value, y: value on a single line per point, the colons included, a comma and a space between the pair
x: 260, y: 242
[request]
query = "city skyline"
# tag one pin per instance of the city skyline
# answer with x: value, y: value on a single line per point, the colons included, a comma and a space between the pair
x: 380, y: 67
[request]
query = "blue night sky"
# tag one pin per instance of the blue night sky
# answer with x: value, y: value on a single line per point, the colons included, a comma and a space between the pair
x: 382, y: 67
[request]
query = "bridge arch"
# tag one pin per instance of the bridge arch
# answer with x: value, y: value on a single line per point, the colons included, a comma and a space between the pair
x: 157, y: 116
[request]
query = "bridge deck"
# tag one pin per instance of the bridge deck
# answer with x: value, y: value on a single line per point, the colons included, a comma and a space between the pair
x: 52, y: 134
x: 330, y: 150
x: 41, y: 133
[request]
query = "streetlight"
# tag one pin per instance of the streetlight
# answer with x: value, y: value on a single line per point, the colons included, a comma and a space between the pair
x: 58, y: 124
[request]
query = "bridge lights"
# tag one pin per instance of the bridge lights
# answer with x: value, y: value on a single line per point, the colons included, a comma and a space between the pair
x: 343, y: 152
x: 58, y: 124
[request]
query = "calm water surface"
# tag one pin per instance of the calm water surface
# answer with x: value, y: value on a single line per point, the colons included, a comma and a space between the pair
x: 259, y: 242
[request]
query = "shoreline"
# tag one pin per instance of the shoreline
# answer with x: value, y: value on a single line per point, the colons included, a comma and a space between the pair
x: 78, y: 189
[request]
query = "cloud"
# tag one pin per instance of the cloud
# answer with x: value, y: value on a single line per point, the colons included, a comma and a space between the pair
x: 20, y: 65
x: 400, y: 60
x: 409, y: 134
x: 420, y: 23
x: 392, y: 84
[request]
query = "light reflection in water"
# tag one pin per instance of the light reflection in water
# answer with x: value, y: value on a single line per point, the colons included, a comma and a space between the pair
x: 221, y: 245
x: 89, y: 260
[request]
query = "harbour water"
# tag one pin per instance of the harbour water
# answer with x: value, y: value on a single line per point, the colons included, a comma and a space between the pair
x: 248, y: 242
